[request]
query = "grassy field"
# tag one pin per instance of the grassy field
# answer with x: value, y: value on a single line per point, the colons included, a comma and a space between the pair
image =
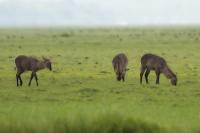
x: 81, y: 94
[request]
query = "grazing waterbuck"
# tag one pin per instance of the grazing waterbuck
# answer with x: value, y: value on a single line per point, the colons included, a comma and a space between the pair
x: 119, y: 62
x: 158, y: 64
x: 25, y: 63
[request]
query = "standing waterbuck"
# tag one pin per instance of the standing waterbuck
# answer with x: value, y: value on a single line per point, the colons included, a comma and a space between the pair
x: 119, y: 62
x: 158, y: 64
x: 25, y: 63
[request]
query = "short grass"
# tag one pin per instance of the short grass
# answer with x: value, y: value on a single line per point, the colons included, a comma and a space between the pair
x: 81, y: 93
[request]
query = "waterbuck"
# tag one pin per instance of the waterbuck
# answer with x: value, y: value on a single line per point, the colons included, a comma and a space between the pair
x: 158, y: 64
x: 25, y: 63
x: 119, y: 63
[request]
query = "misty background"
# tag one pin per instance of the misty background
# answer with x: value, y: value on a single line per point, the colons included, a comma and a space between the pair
x: 98, y: 12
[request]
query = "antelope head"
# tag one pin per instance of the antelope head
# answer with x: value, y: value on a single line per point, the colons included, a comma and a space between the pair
x: 47, y: 63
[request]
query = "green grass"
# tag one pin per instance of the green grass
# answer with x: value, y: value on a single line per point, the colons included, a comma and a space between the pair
x: 81, y: 93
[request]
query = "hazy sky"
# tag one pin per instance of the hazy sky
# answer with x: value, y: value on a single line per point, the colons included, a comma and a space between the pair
x: 99, y: 12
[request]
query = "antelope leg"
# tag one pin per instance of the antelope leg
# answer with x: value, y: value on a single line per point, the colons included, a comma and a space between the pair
x: 141, y: 74
x: 36, y: 79
x: 17, y: 79
x: 21, y: 82
x: 146, y: 75
x: 30, y: 79
x: 157, y: 77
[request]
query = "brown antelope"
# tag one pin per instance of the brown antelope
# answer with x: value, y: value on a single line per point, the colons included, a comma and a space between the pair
x: 119, y: 62
x: 25, y: 63
x: 158, y: 64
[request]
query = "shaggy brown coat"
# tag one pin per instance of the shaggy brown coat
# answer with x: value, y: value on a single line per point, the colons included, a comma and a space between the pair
x: 120, y: 62
x: 25, y: 63
x: 158, y: 64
